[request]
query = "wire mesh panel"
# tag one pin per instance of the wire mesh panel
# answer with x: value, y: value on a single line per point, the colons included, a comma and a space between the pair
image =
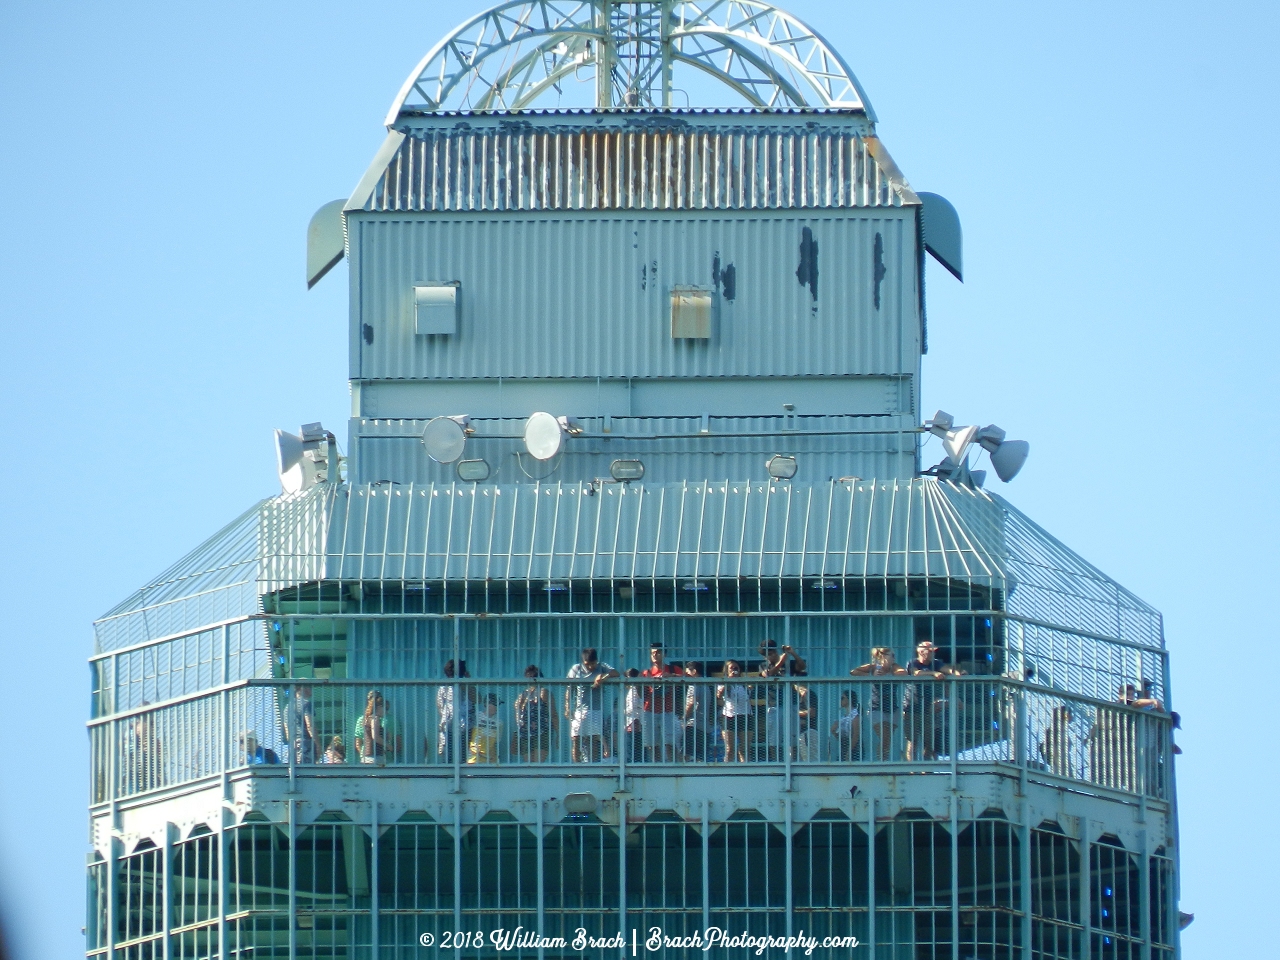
x: 1115, y: 899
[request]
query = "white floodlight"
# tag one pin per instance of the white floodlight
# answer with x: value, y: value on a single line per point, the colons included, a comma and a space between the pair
x: 990, y: 437
x: 826, y: 584
x: 626, y: 470
x: 473, y: 471
x: 543, y: 436
x: 956, y: 442
x: 781, y: 466
x: 303, y: 461
x: 695, y: 586
x: 446, y: 437
x: 555, y: 586
x: 1008, y: 458
x: 940, y: 424
x: 289, y: 461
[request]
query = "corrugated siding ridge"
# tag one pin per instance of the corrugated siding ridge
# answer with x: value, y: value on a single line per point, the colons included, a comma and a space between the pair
x: 573, y: 531
x: 507, y: 170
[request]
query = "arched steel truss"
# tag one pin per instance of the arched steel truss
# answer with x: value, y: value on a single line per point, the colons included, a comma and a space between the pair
x: 516, y: 52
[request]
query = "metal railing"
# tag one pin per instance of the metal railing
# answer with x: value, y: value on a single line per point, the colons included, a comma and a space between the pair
x: 675, y: 724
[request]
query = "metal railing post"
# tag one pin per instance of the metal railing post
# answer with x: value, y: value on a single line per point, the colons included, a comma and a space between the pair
x: 166, y: 886
x: 784, y: 734
x: 373, y: 879
x: 871, y: 874
x: 541, y: 850
x: 292, y: 807
x: 706, y: 864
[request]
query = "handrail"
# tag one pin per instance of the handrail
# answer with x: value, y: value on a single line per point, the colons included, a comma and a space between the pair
x: 675, y: 725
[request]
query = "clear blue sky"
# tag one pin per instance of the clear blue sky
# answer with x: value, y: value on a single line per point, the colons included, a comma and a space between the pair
x: 1114, y: 165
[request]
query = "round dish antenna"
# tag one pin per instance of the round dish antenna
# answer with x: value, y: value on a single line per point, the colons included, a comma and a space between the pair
x: 445, y: 438
x: 523, y: 53
x: 543, y: 436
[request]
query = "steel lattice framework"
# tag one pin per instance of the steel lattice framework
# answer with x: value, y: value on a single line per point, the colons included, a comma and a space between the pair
x: 516, y: 52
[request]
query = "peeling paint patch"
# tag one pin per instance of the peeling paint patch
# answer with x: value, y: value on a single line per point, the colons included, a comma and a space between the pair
x: 648, y: 271
x: 807, y: 271
x: 879, y: 269
x: 724, y: 279
x: 367, y: 330
x: 729, y: 281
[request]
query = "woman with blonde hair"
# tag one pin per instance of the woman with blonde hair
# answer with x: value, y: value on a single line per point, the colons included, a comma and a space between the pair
x: 885, y: 700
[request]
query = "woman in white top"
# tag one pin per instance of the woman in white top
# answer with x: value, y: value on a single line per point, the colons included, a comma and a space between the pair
x: 735, y: 704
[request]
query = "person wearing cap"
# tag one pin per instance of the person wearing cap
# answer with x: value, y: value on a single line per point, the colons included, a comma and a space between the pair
x: 923, y: 702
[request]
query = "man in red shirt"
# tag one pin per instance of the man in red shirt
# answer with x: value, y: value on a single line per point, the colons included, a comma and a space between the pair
x: 663, y: 740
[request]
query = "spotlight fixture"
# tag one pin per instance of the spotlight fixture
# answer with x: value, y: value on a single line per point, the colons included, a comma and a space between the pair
x: 472, y: 471
x: 781, y: 466
x: 303, y: 461
x: 695, y: 586
x: 446, y: 437
x: 555, y: 586
x: 956, y: 442
x: 826, y: 585
x: 624, y: 470
x: 1009, y: 458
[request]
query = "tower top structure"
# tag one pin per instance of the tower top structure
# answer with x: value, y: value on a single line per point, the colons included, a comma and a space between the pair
x: 639, y: 53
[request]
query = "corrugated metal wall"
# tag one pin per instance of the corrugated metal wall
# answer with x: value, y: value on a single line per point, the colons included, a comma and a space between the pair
x: 515, y: 168
x: 588, y: 296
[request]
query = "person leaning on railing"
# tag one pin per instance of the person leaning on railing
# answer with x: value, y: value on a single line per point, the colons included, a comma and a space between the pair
x: 885, y: 699
x: 376, y: 734
x: 584, y: 706
x: 735, y: 705
x: 1114, y: 741
x: 922, y: 715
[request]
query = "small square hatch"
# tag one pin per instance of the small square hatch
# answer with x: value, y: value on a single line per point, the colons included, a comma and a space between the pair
x: 435, y: 307
x: 690, y: 313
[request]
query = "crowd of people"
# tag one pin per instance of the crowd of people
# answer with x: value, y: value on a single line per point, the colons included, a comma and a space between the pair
x: 696, y: 711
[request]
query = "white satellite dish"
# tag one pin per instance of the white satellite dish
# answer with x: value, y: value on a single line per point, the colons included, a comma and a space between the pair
x: 289, y: 461
x: 445, y: 439
x: 956, y: 442
x: 543, y: 436
x: 1008, y: 458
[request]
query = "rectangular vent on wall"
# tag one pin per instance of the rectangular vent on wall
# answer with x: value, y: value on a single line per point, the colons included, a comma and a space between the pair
x: 691, y: 313
x: 435, y: 308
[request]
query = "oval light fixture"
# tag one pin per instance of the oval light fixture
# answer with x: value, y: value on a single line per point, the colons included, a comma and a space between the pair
x: 626, y: 470
x: 781, y: 466
x: 543, y: 436
x: 445, y: 438
x: 472, y: 471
